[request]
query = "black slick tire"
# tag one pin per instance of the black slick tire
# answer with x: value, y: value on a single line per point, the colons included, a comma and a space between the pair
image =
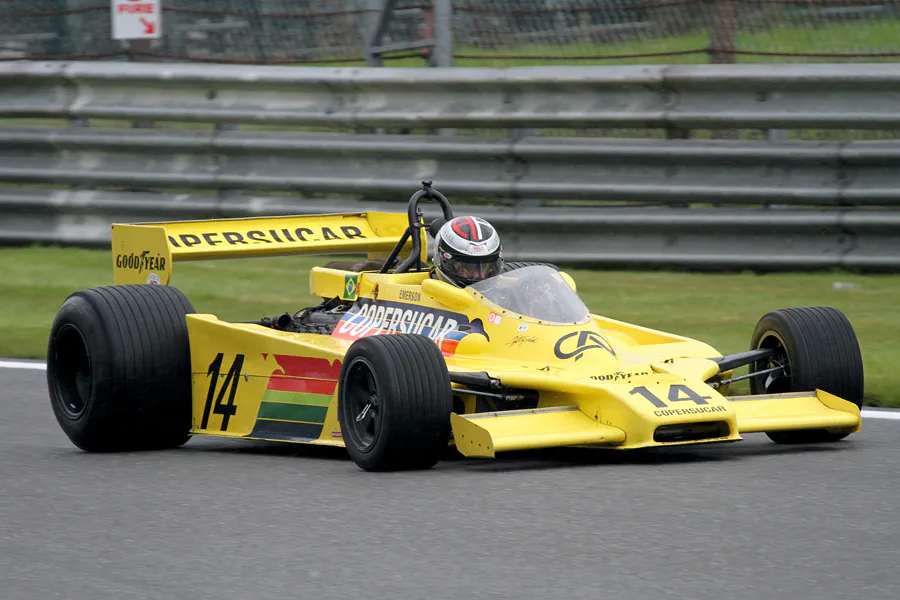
x: 822, y: 352
x: 395, y: 402
x: 119, y: 368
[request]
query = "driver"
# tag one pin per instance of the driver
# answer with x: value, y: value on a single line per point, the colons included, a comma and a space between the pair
x: 467, y: 250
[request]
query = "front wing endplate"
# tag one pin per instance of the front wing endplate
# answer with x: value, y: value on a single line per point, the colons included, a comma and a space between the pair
x: 484, y: 434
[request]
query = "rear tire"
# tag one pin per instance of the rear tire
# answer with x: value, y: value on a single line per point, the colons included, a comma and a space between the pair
x: 395, y: 402
x: 821, y: 352
x: 119, y: 368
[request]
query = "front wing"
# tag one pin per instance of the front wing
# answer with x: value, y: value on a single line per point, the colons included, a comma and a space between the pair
x: 485, y: 434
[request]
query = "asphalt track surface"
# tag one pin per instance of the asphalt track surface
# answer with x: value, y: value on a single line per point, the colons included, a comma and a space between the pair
x: 223, y: 520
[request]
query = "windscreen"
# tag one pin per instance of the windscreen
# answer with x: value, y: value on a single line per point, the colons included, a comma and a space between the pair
x: 538, y: 292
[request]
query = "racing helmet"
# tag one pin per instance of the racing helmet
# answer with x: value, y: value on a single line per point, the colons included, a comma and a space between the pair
x: 467, y: 250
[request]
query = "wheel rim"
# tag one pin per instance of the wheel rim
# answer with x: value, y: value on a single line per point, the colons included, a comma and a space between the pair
x: 775, y: 382
x: 72, y: 367
x: 364, y: 409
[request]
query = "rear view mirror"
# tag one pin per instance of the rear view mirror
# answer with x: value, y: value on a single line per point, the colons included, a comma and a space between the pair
x: 568, y: 279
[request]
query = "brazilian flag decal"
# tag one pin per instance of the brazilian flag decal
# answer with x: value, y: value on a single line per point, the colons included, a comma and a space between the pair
x: 296, y: 399
x: 351, y: 287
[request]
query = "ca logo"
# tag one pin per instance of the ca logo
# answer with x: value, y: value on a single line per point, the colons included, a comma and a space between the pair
x: 587, y: 340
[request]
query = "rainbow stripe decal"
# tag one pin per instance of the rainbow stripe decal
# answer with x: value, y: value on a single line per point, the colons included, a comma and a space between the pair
x: 296, y: 399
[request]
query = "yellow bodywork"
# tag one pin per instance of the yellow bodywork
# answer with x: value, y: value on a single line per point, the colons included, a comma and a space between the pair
x: 599, y: 383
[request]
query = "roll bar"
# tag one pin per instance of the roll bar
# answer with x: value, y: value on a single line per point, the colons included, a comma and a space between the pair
x: 415, y: 224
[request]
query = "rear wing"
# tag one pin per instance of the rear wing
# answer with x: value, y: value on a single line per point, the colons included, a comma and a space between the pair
x: 145, y: 252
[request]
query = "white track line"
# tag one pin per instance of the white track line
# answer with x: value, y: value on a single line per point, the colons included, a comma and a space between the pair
x: 5, y: 364
x: 38, y: 366
x: 881, y: 414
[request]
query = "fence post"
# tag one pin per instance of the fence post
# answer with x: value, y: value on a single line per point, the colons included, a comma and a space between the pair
x: 721, y: 33
x: 378, y: 26
x: 442, y: 53
x: 721, y: 42
x: 256, y: 26
x: 137, y: 52
x: 64, y: 43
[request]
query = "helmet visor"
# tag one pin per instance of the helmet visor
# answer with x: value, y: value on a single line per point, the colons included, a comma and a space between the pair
x: 475, y: 271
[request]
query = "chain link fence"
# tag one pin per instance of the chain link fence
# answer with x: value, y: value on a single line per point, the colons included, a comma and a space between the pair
x: 243, y: 31
x: 485, y: 32
x: 684, y: 31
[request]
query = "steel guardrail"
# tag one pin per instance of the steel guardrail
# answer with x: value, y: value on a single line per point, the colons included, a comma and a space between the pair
x: 704, y: 203
x: 616, y: 237
x: 859, y: 96
x: 659, y: 171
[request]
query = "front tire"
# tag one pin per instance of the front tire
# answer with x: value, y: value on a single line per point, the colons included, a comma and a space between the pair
x: 118, y: 368
x: 395, y: 402
x: 819, y: 350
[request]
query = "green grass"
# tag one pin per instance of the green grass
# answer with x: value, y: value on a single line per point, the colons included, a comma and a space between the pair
x: 720, y: 309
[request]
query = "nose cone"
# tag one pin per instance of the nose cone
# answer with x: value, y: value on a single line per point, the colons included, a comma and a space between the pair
x: 661, y: 409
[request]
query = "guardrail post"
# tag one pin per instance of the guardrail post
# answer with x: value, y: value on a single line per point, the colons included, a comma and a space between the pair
x: 230, y: 193
x: 136, y: 50
x: 136, y: 53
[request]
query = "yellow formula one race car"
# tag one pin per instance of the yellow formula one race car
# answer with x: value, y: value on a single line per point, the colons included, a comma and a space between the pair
x: 395, y: 365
